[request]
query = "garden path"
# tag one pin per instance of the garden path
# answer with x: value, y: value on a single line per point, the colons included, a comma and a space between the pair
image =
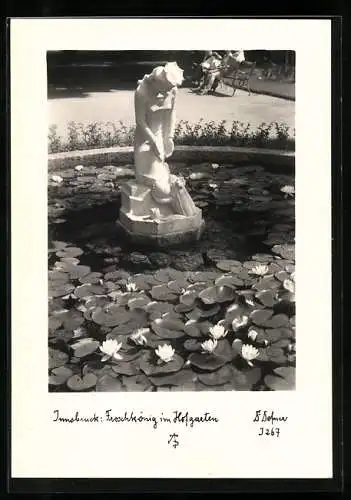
x: 115, y: 105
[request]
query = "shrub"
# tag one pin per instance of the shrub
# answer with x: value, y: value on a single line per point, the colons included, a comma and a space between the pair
x: 103, y: 135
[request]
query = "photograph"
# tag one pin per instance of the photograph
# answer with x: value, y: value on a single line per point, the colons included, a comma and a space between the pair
x: 171, y: 220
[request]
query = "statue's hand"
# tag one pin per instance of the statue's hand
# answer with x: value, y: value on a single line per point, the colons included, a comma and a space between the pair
x: 159, y: 150
x: 180, y: 182
x: 169, y: 147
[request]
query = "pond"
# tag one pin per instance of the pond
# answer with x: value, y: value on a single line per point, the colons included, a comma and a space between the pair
x: 216, y: 315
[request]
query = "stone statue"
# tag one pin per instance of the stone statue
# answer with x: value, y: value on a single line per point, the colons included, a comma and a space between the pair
x: 156, y: 195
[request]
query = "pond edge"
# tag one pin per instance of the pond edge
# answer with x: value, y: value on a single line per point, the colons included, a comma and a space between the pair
x: 183, y: 154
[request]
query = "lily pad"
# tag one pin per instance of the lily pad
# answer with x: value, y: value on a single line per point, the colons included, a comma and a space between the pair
x: 117, y: 275
x: 181, y: 378
x: 229, y: 280
x: 277, y: 321
x: 202, y: 276
x: 266, y: 298
x: 261, y: 316
x: 272, y: 354
x: 282, y: 276
x: 209, y: 362
x: 228, y: 264
x: 111, y: 316
x: 178, y: 286
x: 138, y: 383
x: 55, y: 323
x: 123, y: 368
x: 203, y: 312
x: 88, y: 289
x: 192, y: 345
x: 59, y: 289
x: 85, y: 383
x: 168, y: 274
x: 286, y: 251
x: 157, y: 309
x: 70, y: 260
x: 60, y: 375
x: 282, y: 379
x: 266, y: 283
x: 262, y: 257
x: 85, y: 347
x: 92, y: 278
x: 148, y: 364
x: 69, y: 252
x: 217, y: 294
x: 137, y: 319
x: 162, y: 292
x: 188, y: 298
x: 60, y: 336
x: 57, y: 358
x: 138, y: 302
x: 218, y: 377
x: 192, y: 329
x: 168, y: 329
x: 58, y: 276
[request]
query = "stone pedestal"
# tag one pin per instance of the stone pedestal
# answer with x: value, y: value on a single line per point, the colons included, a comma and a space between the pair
x: 147, y: 222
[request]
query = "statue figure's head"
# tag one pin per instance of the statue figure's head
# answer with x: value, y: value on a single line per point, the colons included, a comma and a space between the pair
x: 164, y: 78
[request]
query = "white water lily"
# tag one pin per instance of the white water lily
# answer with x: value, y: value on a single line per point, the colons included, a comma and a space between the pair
x: 56, y: 178
x: 289, y: 285
x: 288, y: 190
x: 218, y: 331
x: 138, y: 337
x: 239, y: 322
x: 209, y: 345
x: 165, y: 352
x: 252, y: 335
x: 212, y: 185
x: 249, y: 352
x: 78, y: 168
x: 110, y: 349
x: 260, y: 270
x: 131, y: 286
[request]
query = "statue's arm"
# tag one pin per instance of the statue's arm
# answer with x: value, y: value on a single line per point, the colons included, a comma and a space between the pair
x: 140, y: 117
x: 173, y: 117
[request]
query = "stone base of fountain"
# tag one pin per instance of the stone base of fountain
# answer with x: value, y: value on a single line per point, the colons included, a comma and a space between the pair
x: 144, y: 221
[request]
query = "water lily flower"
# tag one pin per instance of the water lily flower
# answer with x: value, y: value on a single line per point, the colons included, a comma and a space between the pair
x: 288, y: 191
x: 218, y: 331
x: 212, y: 185
x: 138, y: 336
x: 56, y: 178
x: 215, y: 166
x: 249, y: 352
x: 165, y: 352
x: 110, y: 349
x: 249, y: 301
x: 289, y: 285
x: 252, y: 335
x: 260, y: 270
x: 78, y: 168
x: 239, y: 322
x: 209, y: 345
x: 131, y: 286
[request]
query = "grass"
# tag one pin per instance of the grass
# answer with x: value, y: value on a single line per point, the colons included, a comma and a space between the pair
x: 96, y: 135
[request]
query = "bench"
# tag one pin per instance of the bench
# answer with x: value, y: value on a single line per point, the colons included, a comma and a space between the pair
x: 238, y: 77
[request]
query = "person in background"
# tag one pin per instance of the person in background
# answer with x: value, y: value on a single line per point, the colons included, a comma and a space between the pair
x: 210, y: 69
x: 210, y: 61
x: 239, y: 56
